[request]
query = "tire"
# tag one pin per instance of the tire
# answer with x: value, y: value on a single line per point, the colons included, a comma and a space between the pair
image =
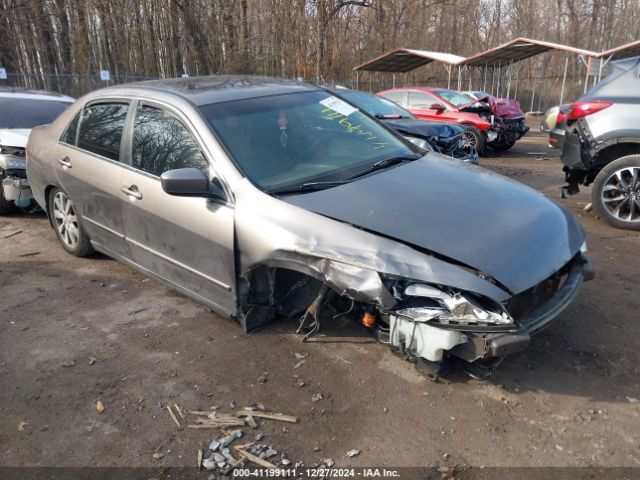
x: 6, y: 207
x: 475, y: 137
x: 502, y: 147
x: 67, y: 225
x: 616, y: 193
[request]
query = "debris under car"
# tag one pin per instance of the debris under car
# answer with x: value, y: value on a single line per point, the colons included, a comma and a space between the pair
x: 323, y: 213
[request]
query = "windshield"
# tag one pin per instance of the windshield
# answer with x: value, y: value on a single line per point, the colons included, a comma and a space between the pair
x: 29, y: 112
x: 375, y: 106
x: 454, y: 98
x: 286, y: 140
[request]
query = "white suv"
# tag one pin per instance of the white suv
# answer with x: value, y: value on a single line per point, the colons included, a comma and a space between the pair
x: 20, y: 111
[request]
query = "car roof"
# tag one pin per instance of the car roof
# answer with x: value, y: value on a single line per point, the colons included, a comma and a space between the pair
x: 218, y: 88
x: 26, y: 94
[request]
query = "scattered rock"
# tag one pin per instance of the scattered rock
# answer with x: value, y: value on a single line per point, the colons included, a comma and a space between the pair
x: 99, y: 406
x: 353, y: 453
x: 559, y: 448
x: 328, y: 462
x: 259, y: 436
x: 301, y: 356
x: 209, y: 464
x: 270, y: 453
x: 158, y: 455
x: 21, y: 425
x: 92, y: 361
x: 299, y: 364
x: 70, y: 363
x: 251, y: 421
x: 316, y: 397
x: 588, y: 207
x: 632, y: 400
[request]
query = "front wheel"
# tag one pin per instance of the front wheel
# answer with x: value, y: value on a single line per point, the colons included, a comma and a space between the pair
x: 67, y: 225
x: 616, y: 193
x: 473, y: 138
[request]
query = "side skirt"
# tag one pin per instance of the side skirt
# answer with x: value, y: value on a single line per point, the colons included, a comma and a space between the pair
x: 187, y: 293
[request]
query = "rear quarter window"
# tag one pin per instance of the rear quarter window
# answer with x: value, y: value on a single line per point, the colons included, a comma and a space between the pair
x: 101, y: 127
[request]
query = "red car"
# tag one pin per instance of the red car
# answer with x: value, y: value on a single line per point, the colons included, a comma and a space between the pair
x: 482, y: 117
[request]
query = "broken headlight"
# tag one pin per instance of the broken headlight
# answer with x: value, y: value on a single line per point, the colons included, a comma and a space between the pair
x: 420, y: 142
x: 451, y: 308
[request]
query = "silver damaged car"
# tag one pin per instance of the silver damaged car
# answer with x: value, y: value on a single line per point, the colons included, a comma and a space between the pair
x: 264, y: 199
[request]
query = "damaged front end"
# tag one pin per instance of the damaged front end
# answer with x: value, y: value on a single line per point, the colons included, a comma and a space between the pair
x: 433, y: 321
x: 506, y: 118
x: 16, y: 191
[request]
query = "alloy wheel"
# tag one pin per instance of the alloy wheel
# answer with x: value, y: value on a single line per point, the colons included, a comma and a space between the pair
x: 469, y: 139
x: 66, y: 220
x: 621, y: 194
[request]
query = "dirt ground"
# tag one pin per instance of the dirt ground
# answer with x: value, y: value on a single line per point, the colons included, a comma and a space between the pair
x: 76, y: 331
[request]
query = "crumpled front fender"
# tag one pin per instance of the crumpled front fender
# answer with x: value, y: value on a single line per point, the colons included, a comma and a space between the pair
x: 272, y: 233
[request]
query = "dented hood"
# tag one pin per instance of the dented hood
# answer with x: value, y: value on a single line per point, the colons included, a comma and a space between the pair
x: 409, y: 126
x: 14, y: 137
x: 501, y: 107
x: 464, y: 213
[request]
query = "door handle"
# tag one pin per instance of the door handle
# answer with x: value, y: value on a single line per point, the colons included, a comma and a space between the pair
x: 132, y: 191
x: 65, y: 162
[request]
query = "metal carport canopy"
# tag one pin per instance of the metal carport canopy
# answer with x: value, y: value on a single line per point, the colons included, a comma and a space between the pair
x: 623, y: 51
x: 402, y: 60
x: 517, y: 50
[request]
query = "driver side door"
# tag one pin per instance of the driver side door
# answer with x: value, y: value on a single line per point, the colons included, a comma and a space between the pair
x: 185, y: 241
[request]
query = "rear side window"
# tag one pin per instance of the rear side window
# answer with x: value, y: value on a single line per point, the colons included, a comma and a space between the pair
x: 397, y: 97
x: 69, y: 135
x: 161, y: 142
x: 101, y: 129
x: 421, y: 100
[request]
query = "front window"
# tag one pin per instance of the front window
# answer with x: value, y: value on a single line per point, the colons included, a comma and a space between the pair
x: 375, y: 106
x: 455, y: 98
x: 287, y: 140
x: 29, y: 112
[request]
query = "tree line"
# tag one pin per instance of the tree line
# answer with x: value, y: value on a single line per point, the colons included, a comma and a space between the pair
x: 319, y: 40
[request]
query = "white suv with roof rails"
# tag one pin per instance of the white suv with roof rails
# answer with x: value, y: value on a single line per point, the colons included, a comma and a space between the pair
x: 20, y: 111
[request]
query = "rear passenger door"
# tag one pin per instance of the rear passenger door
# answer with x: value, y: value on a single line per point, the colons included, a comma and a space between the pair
x: 187, y: 241
x: 88, y: 169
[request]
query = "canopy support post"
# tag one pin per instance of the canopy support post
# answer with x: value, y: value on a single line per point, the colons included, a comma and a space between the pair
x: 484, y: 82
x: 394, y: 80
x: 357, y: 79
x: 459, y: 78
x: 509, y: 80
x: 370, y: 82
x: 586, y: 77
x: 448, y: 67
x: 515, y: 93
x: 564, y: 79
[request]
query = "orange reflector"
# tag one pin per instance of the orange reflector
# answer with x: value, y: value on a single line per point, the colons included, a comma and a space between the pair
x: 369, y: 320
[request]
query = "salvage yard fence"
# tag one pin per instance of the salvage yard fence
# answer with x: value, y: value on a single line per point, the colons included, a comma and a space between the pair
x: 535, y: 92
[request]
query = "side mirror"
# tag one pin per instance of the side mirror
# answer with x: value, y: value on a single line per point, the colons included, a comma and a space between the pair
x: 436, y: 106
x: 190, y: 182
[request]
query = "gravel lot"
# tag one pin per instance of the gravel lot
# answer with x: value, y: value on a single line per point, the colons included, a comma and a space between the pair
x: 77, y: 331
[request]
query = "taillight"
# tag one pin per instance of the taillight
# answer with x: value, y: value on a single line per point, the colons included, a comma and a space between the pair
x: 559, y: 118
x: 582, y: 109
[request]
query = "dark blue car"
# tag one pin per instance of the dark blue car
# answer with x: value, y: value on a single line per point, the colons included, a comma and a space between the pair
x: 446, y: 138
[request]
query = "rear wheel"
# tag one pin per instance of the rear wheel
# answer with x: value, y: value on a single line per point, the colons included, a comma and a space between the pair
x: 67, y: 225
x: 616, y: 193
x: 473, y: 138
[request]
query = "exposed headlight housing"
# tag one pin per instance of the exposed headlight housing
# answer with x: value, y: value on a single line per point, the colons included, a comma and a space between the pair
x: 420, y: 142
x: 453, y: 309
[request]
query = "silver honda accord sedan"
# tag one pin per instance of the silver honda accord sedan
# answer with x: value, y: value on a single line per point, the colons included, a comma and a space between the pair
x: 263, y: 199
